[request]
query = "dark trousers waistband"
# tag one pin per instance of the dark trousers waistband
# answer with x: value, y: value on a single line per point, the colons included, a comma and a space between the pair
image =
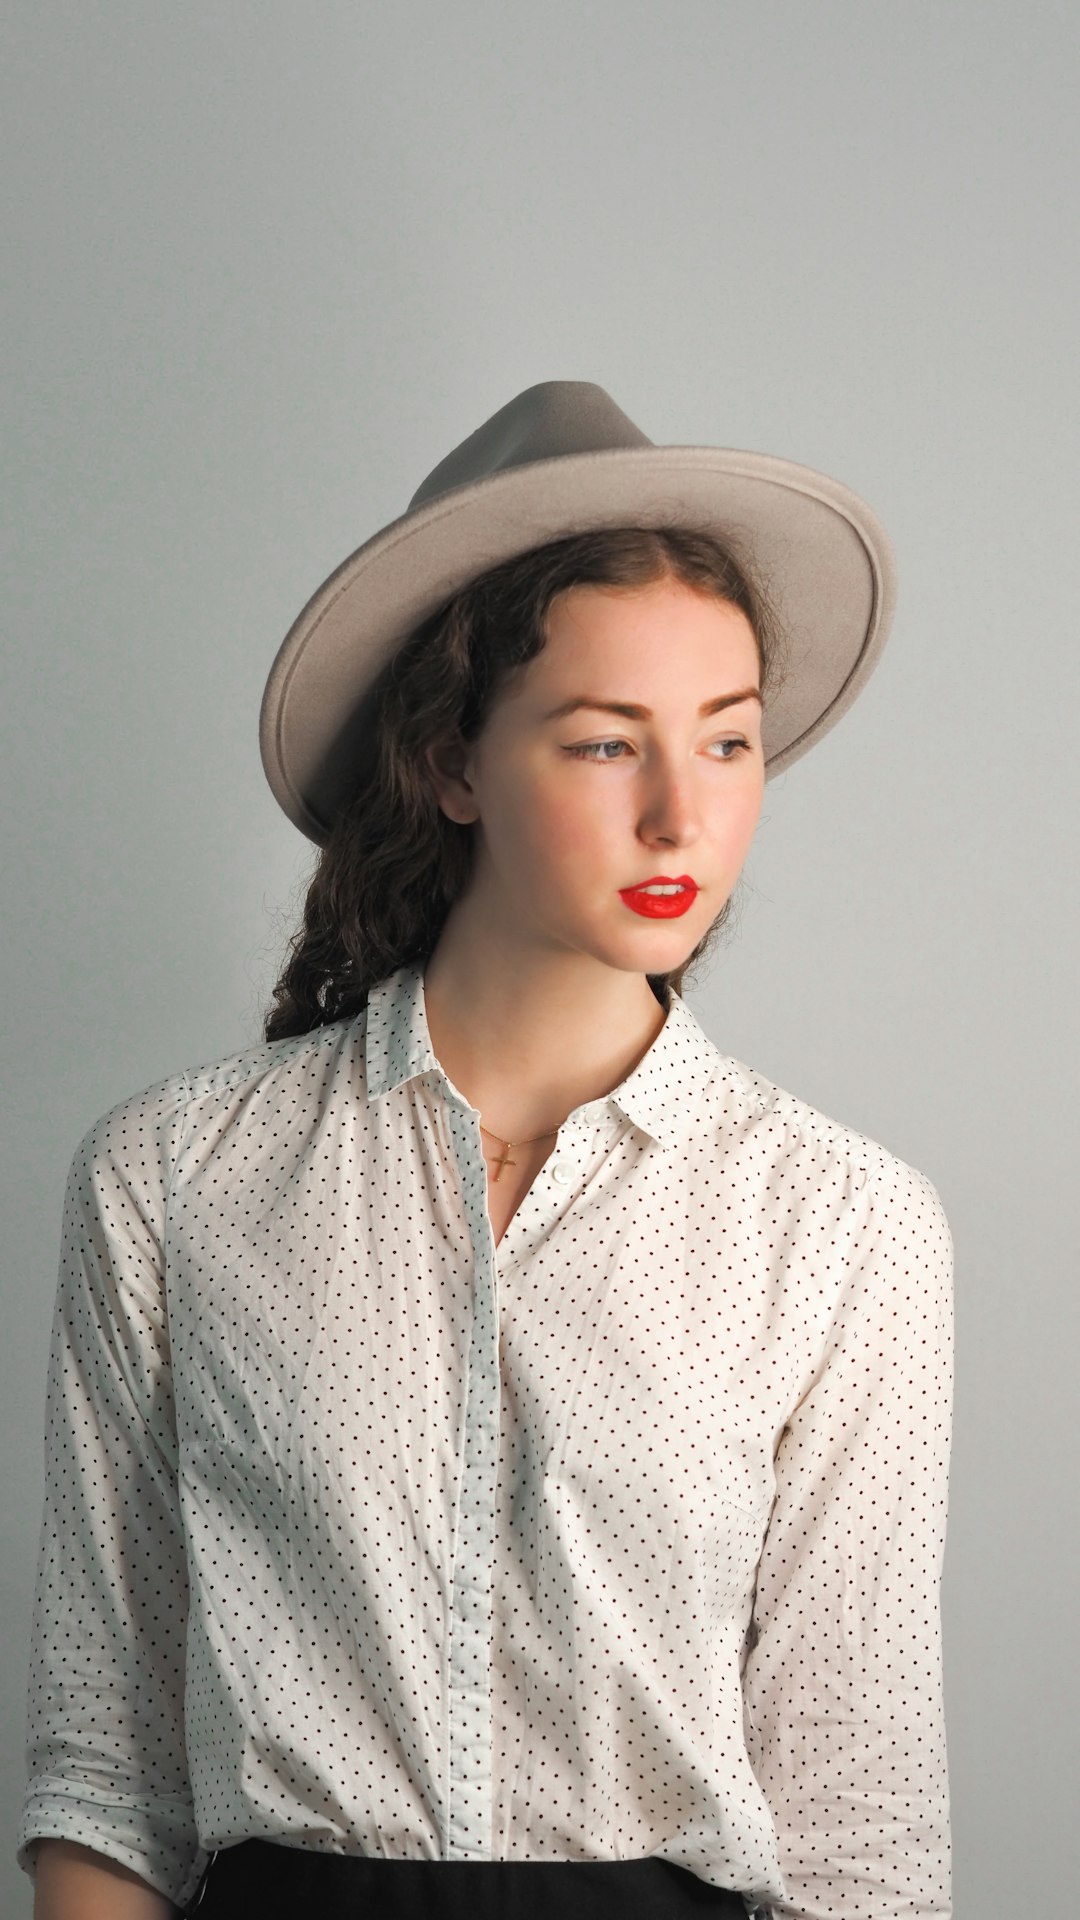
x: 259, y: 1880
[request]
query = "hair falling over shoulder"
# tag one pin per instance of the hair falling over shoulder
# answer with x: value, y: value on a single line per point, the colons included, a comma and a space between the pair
x: 393, y: 864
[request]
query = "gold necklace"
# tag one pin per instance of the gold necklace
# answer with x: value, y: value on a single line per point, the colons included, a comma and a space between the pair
x: 504, y: 1159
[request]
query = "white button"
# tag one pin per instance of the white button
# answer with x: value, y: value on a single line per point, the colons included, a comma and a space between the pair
x: 562, y: 1173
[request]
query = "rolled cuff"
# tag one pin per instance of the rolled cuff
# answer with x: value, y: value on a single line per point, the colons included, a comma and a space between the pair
x: 156, y: 1837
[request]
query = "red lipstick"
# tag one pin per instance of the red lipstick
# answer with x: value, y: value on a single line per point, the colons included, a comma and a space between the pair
x: 661, y: 906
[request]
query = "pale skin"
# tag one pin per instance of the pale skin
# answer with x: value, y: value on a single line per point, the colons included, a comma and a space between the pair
x: 75, y: 1883
x: 536, y: 993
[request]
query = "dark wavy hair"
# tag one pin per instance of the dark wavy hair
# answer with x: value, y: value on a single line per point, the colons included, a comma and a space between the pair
x: 393, y: 864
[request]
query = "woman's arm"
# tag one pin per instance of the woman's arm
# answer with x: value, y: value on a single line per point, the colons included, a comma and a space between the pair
x: 843, y: 1685
x: 73, y: 1883
x: 106, y: 1749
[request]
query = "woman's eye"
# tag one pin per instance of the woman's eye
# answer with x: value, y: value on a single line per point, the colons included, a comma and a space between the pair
x: 594, y: 749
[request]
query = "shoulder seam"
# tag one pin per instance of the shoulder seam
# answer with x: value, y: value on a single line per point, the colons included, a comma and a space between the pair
x: 181, y: 1136
x: 222, y: 1075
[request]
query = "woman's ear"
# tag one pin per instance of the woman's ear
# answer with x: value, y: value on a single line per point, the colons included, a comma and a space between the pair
x: 447, y: 760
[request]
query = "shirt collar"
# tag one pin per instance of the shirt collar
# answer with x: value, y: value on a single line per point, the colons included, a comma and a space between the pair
x: 662, y: 1095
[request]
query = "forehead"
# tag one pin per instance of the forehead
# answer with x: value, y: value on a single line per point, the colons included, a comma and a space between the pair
x: 652, y: 628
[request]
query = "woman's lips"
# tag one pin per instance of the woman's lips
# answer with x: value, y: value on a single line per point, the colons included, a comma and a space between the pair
x: 659, y: 906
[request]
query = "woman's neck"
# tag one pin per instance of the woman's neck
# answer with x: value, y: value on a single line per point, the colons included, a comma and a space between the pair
x: 525, y: 1051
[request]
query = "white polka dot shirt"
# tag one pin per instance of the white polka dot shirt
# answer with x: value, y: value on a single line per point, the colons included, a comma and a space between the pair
x: 623, y: 1537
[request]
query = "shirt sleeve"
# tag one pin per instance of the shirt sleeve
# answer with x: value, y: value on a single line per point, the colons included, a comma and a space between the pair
x: 106, y: 1755
x: 842, y: 1681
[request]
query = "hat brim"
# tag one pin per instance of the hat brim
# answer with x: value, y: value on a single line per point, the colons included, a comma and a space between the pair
x: 822, y: 556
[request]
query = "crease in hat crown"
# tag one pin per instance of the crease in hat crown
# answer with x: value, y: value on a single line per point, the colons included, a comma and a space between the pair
x: 559, y: 459
x: 549, y: 421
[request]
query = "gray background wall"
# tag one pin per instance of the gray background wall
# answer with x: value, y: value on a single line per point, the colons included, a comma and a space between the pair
x: 269, y: 264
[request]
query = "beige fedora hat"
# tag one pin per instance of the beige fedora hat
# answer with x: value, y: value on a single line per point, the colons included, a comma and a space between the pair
x: 561, y: 459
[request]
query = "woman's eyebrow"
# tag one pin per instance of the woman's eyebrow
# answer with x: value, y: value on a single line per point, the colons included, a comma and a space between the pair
x: 631, y: 712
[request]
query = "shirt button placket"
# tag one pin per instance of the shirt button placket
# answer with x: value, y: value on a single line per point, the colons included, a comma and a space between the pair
x: 469, y: 1781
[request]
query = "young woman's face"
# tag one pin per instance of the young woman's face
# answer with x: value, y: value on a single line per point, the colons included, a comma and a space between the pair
x: 571, y: 809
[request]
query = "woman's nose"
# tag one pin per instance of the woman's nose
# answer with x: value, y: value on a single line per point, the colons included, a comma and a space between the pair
x: 672, y: 809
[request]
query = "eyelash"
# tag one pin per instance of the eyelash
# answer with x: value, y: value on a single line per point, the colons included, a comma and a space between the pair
x: 589, y: 752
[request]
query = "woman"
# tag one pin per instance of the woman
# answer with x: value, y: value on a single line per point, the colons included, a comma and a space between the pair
x: 497, y: 1442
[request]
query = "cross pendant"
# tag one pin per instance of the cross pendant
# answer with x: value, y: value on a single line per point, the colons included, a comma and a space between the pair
x: 504, y: 1160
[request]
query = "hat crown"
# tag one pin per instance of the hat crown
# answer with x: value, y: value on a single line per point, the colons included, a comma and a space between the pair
x: 547, y: 421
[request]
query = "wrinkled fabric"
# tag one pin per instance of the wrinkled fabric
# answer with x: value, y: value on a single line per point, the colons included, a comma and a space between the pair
x: 622, y: 1538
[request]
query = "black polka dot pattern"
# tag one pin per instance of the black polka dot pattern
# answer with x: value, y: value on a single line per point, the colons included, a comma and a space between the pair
x: 621, y: 1538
